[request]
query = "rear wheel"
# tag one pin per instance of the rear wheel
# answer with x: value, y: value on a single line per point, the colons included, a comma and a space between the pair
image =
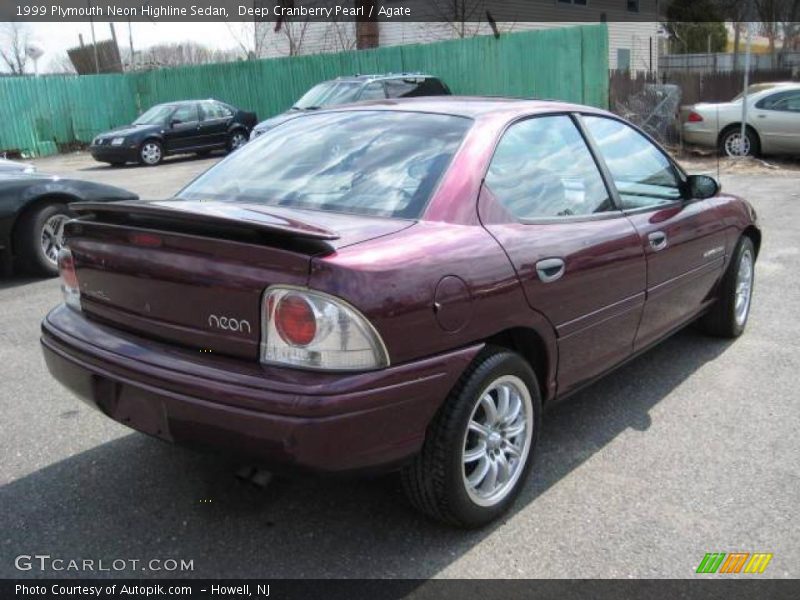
x: 236, y: 140
x: 39, y: 237
x: 151, y: 153
x: 478, y: 449
x: 731, y: 142
x: 728, y: 317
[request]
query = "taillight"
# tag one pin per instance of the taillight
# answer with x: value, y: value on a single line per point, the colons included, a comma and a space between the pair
x: 69, y: 279
x: 295, y: 320
x: 694, y: 117
x: 309, y: 329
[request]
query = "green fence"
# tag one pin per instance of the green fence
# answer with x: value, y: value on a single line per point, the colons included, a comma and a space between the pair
x: 39, y: 114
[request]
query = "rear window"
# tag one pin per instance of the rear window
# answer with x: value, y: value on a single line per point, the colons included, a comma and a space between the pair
x: 363, y: 162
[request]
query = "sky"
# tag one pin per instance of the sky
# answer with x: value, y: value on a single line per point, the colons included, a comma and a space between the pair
x: 56, y: 38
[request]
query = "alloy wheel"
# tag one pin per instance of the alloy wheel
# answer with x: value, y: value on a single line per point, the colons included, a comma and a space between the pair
x: 735, y: 145
x: 238, y: 140
x: 53, y: 236
x: 744, y: 287
x: 497, y: 441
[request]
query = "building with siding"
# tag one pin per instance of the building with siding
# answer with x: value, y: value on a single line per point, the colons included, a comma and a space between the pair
x: 633, y: 30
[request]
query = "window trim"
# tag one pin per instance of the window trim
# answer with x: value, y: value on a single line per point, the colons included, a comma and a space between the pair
x: 614, y: 212
x: 679, y: 173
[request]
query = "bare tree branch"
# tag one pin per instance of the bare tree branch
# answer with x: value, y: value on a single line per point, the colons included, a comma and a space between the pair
x: 14, y: 38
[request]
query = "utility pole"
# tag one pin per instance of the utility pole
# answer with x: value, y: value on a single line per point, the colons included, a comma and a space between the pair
x: 748, y: 43
x: 132, y: 65
x: 94, y: 40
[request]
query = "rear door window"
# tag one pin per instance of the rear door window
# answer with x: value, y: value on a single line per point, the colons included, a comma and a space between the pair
x: 542, y: 168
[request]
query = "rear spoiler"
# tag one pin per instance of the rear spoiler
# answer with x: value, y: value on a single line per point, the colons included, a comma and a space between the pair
x: 208, y: 214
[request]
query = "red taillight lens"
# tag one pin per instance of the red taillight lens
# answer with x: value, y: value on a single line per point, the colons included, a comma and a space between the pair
x: 694, y: 117
x: 295, y: 320
x: 66, y: 268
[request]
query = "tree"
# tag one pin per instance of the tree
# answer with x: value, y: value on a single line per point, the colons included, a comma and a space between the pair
x: 62, y: 65
x: 14, y: 39
x: 696, y: 26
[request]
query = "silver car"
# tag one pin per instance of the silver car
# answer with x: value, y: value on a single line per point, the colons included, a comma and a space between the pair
x: 773, y: 122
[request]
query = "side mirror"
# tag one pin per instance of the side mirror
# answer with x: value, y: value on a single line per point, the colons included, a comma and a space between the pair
x: 174, y: 122
x: 700, y: 187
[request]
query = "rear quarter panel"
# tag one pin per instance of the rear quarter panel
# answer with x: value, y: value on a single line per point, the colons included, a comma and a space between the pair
x: 393, y: 281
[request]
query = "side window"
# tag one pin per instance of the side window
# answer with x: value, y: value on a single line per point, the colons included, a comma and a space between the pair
x: 543, y: 168
x: 432, y: 87
x: 641, y: 172
x: 784, y: 101
x: 373, y: 91
x: 213, y: 110
x: 401, y: 88
x: 186, y: 113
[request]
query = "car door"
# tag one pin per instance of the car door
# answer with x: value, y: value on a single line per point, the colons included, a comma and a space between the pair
x: 577, y: 256
x: 183, y: 131
x: 777, y: 120
x: 682, y: 239
x: 214, y: 121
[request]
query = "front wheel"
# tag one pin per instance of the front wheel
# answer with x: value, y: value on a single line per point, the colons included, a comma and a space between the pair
x: 151, y: 153
x: 728, y: 317
x: 40, y: 236
x: 731, y: 143
x: 479, y: 448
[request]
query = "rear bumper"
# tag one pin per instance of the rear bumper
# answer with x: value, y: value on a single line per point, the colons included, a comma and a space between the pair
x: 282, y: 417
x: 699, y: 134
x: 114, y: 154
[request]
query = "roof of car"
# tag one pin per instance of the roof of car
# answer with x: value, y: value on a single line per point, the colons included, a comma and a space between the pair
x: 376, y: 76
x: 469, y: 106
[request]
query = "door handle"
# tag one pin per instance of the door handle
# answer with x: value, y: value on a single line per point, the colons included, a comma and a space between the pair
x: 550, y: 269
x: 658, y: 240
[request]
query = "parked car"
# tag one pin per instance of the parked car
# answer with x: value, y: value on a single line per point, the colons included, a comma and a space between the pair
x: 399, y: 285
x: 33, y: 210
x: 190, y: 126
x: 14, y: 166
x: 773, y: 122
x: 344, y: 90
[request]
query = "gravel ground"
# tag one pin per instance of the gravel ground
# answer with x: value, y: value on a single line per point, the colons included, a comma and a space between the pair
x: 691, y: 448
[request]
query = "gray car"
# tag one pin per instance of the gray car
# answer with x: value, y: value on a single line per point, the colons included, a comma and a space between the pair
x: 773, y: 122
x: 344, y: 90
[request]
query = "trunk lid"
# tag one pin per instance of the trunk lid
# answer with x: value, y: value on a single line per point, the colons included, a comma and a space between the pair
x: 193, y: 273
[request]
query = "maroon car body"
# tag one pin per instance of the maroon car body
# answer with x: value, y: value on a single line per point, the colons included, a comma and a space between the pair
x: 574, y: 295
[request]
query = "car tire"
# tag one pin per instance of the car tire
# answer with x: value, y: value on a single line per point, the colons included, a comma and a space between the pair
x: 151, y: 153
x: 38, y: 237
x: 454, y: 477
x: 728, y: 316
x: 236, y: 139
x: 730, y: 136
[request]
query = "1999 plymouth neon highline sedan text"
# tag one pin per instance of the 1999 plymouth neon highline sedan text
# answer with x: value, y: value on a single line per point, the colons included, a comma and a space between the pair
x: 402, y: 284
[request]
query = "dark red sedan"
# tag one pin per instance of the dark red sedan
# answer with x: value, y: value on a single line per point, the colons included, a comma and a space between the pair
x: 403, y: 284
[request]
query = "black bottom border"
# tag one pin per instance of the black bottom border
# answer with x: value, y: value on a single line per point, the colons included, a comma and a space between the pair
x: 390, y: 589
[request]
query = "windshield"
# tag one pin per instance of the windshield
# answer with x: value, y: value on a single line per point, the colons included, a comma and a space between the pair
x: 155, y: 116
x: 364, y: 162
x: 329, y: 94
